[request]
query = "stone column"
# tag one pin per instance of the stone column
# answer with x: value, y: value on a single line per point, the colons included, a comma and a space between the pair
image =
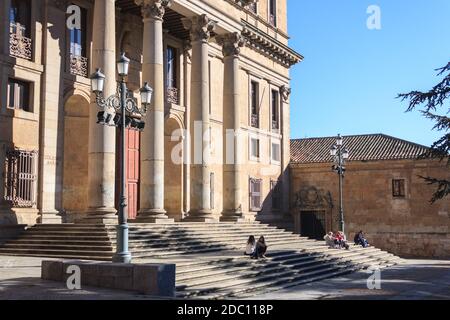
x: 200, y: 28
x: 285, y: 151
x: 52, y: 115
x: 152, y: 146
x: 4, y: 30
x: 231, y: 46
x: 102, y: 139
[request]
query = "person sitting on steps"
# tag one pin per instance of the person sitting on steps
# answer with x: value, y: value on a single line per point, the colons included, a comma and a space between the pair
x: 261, y: 248
x: 360, y: 240
x: 341, y: 240
x: 329, y: 240
x: 251, y: 246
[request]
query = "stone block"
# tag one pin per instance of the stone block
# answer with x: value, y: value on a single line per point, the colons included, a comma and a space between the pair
x: 151, y: 279
x: 155, y: 279
x: 52, y: 270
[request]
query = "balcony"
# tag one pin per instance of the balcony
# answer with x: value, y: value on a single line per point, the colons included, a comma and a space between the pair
x: 78, y: 65
x: 255, y: 121
x: 19, y: 45
x: 172, y: 95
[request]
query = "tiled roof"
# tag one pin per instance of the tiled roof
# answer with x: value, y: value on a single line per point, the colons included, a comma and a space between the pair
x: 361, y: 148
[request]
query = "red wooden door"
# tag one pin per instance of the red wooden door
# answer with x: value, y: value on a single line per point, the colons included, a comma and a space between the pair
x: 132, y: 141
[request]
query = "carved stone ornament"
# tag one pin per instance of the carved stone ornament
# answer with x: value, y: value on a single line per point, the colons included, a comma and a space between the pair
x: 200, y: 27
x: 231, y: 43
x: 285, y: 93
x: 313, y: 198
x: 153, y: 8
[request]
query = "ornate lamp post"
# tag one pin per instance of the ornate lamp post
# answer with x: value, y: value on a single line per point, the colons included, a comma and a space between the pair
x: 340, y: 155
x: 122, y: 111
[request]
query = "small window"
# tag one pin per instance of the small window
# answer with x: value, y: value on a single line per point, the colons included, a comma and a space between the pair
x: 18, y: 95
x: 255, y: 195
x: 253, y: 7
x: 273, y: 12
x: 275, y: 188
x: 211, y: 180
x: 276, y: 156
x: 275, y: 112
x: 254, y: 104
x: 20, y: 178
x: 172, y: 75
x: 78, y: 37
x: 20, y: 17
x: 398, y: 188
x: 254, y: 148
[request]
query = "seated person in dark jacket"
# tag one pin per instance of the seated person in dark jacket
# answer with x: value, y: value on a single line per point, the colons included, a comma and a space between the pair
x: 261, y: 248
x: 360, y: 240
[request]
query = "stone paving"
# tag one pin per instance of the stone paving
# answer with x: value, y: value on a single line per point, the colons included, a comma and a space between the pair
x: 415, y: 279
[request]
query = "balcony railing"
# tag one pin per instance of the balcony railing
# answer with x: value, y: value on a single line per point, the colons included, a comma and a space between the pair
x: 172, y: 95
x: 255, y: 121
x: 20, y: 178
x: 78, y: 65
x: 19, y: 45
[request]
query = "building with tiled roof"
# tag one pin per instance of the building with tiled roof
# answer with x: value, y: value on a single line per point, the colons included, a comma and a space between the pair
x: 383, y: 194
x: 362, y: 148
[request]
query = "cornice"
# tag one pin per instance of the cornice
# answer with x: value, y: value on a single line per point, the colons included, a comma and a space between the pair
x: 269, y: 46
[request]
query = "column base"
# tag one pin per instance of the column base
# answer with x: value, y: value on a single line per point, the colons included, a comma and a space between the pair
x: 156, y: 216
x: 49, y: 218
x: 204, y: 216
x: 232, y: 216
x: 99, y: 216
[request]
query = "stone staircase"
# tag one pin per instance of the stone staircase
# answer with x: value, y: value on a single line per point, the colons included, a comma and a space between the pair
x: 209, y: 258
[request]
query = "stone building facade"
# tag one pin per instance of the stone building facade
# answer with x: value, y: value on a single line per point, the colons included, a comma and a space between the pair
x: 219, y: 68
x: 383, y: 194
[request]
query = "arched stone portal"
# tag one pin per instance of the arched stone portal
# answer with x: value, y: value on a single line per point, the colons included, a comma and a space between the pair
x: 173, y: 166
x: 75, y: 168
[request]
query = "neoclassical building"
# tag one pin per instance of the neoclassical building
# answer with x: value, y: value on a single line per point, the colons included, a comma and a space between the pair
x: 216, y: 142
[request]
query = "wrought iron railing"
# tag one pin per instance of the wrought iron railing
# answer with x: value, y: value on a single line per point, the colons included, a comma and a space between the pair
x: 172, y: 95
x: 20, y: 178
x: 78, y: 65
x: 19, y: 45
x: 255, y: 121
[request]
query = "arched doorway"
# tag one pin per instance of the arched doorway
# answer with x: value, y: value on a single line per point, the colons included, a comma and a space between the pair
x: 75, y: 165
x: 173, y: 168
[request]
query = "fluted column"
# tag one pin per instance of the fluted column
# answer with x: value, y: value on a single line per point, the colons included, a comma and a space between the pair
x: 200, y: 28
x: 152, y: 146
x: 231, y: 46
x: 102, y: 139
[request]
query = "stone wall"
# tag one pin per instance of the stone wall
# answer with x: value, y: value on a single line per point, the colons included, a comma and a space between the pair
x: 408, y: 226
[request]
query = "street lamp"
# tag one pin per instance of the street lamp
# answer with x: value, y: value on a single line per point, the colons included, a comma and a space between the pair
x: 122, y: 111
x: 340, y: 155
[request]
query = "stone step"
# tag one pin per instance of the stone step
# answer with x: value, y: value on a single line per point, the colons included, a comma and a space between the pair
x: 44, y: 252
x: 60, y: 256
x: 241, y: 292
x: 38, y: 247
x: 27, y: 236
x: 67, y: 233
x: 232, y: 286
x: 65, y: 241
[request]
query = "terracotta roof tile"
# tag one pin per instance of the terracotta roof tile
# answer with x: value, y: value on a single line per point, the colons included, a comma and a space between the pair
x: 361, y: 148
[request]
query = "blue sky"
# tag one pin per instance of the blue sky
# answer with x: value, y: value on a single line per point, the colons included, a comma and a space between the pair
x: 351, y: 75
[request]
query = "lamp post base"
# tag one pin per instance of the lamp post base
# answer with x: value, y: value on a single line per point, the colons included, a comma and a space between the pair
x: 122, y: 254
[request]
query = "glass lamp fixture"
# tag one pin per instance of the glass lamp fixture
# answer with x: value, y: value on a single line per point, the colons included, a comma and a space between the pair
x: 123, y: 65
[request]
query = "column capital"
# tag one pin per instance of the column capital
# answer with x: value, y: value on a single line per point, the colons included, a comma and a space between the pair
x: 153, y: 8
x: 231, y: 43
x: 200, y: 27
x: 59, y: 4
